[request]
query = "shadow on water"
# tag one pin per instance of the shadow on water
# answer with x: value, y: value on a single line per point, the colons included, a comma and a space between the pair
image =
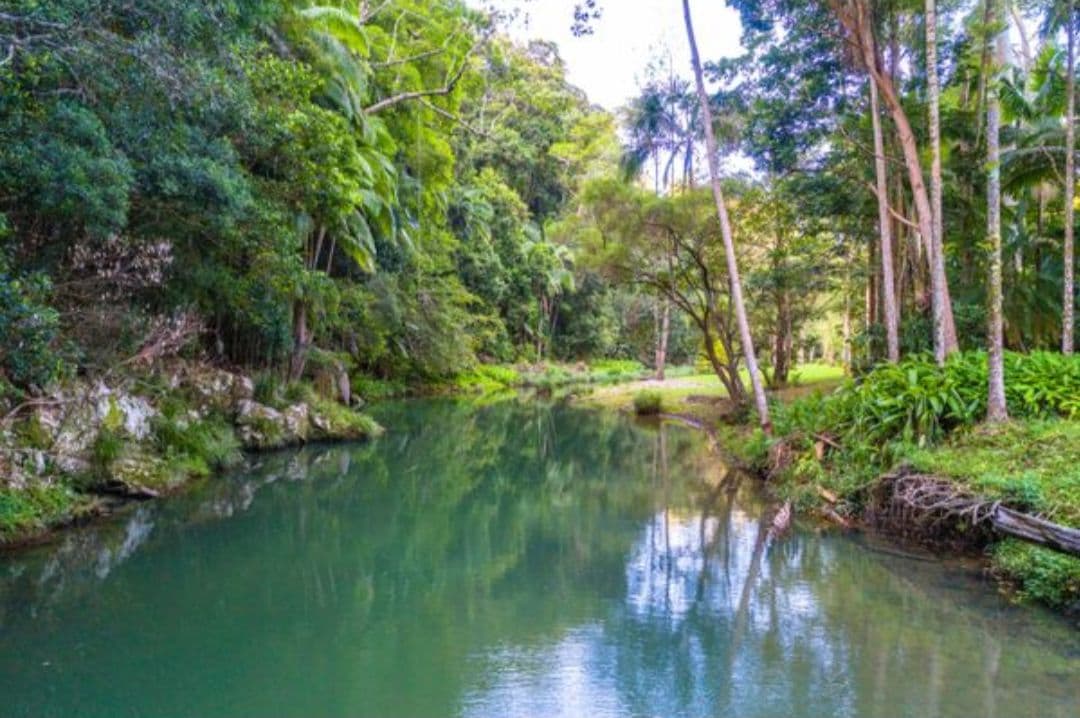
x: 515, y: 559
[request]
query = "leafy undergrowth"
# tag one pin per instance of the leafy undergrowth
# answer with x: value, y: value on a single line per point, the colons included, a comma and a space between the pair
x: 488, y: 378
x: 836, y: 446
x: 1039, y: 574
x: 1033, y: 466
x: 28, y: 511
x: 648, y: 402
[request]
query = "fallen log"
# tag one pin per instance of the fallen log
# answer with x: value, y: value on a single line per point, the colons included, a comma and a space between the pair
x: 1036, y: 530
x: 938, y: 499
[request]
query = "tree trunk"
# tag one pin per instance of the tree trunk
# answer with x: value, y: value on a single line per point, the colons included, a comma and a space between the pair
x: 996, y: 410
x: 937, y: 241
x: 301, y: 340
x: 728, y: 375
x: 663, y: 329
x: 856, y: 17
x: 725, y: 228
x: 871, y: 284
x: 847, y: 314
x: 782, y: 345
x: 1068, y: 320
x: 888, y: 284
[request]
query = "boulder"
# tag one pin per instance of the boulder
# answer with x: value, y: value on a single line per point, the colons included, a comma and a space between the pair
x: 259, y: 426
x: 332, y: 383
x: 86, y: 413
x: 136, y: 415
x: 296, y: 423
x: 139, y: 475
x: 212, y: 388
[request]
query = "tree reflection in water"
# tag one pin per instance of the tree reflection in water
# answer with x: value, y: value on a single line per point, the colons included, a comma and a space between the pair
x: 515, y: 559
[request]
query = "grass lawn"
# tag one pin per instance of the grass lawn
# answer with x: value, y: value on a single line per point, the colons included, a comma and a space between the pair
x: 700, y: 395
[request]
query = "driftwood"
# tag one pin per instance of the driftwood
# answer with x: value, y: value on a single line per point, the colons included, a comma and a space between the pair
x: 938, y: 500
x: 1036, y: 530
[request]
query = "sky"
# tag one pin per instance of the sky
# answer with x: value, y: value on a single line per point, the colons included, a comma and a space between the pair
x: 611, y: 64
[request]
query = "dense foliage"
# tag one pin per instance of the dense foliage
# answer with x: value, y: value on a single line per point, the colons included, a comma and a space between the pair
x: 294, y: 184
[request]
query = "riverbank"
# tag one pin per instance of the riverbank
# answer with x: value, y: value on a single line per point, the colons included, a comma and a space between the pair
x: 702, y: 397
x: 839, y: 448
x: 89, y: 445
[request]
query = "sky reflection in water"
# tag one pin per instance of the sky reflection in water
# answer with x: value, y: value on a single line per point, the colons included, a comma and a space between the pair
x: 511, y: 560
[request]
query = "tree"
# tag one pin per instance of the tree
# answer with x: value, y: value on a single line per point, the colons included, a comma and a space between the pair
x: 888, y: 282
x: 652, y: 128
x: 1068, y: 321
x: 712, y: 152
x: 996, y: 410
x: 857, y: 20
x: 933, y: 101
x: 668, y: 244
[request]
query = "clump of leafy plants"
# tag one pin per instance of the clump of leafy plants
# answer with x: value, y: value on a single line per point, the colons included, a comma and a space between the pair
x: 648, y: 403
x: 1040, y: 574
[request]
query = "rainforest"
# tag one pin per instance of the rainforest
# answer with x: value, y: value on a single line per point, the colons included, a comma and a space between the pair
x: 471, y: 347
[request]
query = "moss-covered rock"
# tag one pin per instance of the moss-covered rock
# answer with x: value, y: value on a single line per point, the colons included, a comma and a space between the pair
x: 334, y: 422
x: 185, y: 421
x: 259, y: 426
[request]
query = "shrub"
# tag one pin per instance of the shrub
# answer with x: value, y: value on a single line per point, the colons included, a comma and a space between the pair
x: 648, y: 403
x: 297, y: 392
x: 268, y: 388
x: 1042, y: 574
x: 199, y: 445
x: 918, y: 401
x: 34, y: 508
x: 29, y: 327
x: 489, y: 377
x: 372, y: 389
x: 105, y: 450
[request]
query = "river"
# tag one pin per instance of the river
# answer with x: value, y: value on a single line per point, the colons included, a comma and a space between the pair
x: 514, y: 559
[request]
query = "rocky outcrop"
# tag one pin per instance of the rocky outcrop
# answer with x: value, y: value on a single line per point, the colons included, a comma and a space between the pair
x: 209, y: 388
x: 110, y: 435
x: 263, y: 427
x: 73, y: 421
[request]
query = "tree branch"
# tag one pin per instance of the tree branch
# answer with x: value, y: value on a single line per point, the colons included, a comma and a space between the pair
x: 446, y: 89
x: 896, y: 215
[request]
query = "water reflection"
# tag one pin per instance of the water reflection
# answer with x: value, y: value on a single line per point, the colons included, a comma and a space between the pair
x: 511, y: 560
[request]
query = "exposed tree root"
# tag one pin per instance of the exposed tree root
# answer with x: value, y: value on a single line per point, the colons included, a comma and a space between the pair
x: 939, y: 507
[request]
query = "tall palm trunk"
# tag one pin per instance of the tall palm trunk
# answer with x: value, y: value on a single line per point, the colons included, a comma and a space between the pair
x: 1068, y: 298
x: 996, y: 410
x: 942, y: 302
x: 888, y: 286
x: 933, y: 92
x: 725, y: 228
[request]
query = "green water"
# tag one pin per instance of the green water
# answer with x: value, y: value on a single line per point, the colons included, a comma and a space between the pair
x: 511, y: 560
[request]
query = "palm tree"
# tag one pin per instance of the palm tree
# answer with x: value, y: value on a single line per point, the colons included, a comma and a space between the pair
x: 1068, y: 280
x: 996, y: 410
x: 647, y: 121
x: 933, y: 100
x: 712, y: 155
